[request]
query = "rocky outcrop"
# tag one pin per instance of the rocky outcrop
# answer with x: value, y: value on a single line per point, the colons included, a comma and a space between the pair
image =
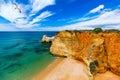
x: 100, y: 51
x: 112, y: 46
x: 45, y: 38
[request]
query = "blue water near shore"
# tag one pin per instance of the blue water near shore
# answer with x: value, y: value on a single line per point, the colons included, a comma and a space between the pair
x: 22, y: 56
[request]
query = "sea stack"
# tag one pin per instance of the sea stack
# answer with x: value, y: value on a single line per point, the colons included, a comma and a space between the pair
x: 45, y: 38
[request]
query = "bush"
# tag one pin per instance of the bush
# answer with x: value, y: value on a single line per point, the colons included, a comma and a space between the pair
x: 97, y: 30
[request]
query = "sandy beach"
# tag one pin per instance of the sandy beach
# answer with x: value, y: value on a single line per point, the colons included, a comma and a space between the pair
x: 70, y: 69
x: 106, y: 76
x: 64, y: 69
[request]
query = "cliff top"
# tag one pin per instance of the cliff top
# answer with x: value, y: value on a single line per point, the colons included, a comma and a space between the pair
x: 96, y: 30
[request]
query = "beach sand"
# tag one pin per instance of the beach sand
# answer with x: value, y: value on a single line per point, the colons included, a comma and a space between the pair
x: 64, y: 69
x: 107, y: 76
x: 70, y: 69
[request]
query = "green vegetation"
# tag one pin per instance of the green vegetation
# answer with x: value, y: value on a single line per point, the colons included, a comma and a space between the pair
x: 97, y: 30
x: 112, y: 30
x: 96, y: 62
x: 93, y: 66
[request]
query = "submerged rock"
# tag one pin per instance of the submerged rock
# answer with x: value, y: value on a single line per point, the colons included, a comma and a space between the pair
x: 11, y: 46
x: 14, y: 45
x: 44, y: 47
x: 14, y: 56
x: 12, y: 65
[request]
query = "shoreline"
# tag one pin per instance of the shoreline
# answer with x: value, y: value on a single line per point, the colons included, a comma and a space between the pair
x: 48, y: 69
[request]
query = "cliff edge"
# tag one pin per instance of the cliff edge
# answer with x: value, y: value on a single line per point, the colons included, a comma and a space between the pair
x: 99, y: 51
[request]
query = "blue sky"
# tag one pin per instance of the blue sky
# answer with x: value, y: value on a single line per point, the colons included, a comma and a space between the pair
x: 55, y: 15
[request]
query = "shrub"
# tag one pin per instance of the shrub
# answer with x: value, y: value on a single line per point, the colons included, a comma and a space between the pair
x: 97, y: 30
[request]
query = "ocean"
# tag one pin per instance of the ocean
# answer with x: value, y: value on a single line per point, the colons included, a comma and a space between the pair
x: 22, y: 56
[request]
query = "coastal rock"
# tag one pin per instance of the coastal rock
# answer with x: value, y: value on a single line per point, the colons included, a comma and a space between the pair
x: 99, y: 51
x: 45, y: 38
x: 84, y: 46
x: 112, y: 46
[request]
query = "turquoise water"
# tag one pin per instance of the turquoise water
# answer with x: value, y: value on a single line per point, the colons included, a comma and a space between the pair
x: 22, y: 56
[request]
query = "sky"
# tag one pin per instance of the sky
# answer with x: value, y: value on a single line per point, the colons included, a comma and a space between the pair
x: 57, y: 15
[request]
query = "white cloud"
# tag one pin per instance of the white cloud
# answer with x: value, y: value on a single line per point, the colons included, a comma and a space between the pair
x: 12, y: 27
x: 23, y: 19
x: 97, y: 9
x: 41, y: 17
x: 40, y: 4
x: 112, y: 17
x: 8, y: 27
x: 9, y: 12
x: 107, y: 20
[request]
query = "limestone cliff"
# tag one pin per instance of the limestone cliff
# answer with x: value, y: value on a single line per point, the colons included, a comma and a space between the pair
x: 112, y: 47
x: 100, y: 51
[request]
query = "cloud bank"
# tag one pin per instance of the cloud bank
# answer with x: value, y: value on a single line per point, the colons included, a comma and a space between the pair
x: 23, y: 20
x: 106, y: 18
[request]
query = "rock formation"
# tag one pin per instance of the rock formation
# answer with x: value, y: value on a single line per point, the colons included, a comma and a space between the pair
x: 112, y: 46
x: 100, y: 51
x: 47, y: 39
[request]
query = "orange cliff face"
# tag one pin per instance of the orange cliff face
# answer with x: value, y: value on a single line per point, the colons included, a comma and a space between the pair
x: 112, y: 46
x: 99, y: 51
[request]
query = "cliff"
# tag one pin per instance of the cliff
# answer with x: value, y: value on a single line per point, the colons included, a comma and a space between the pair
x: 99, y: 51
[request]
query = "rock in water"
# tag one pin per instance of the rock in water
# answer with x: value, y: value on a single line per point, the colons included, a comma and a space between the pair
x: 47, y: 39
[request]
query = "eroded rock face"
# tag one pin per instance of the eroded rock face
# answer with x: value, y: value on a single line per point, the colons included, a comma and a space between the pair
x: 62, y: 45
x: 99, y: 51
x: 112, y: 46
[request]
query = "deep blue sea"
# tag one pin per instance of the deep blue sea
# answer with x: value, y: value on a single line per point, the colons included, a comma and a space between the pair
x: 22, y: 56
